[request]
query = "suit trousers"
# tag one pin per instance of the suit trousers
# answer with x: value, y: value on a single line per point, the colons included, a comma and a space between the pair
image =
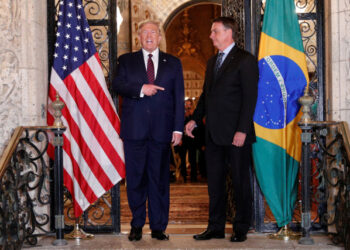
x: 147, y: 179
x: 188, y: 145
x: 219, y: 160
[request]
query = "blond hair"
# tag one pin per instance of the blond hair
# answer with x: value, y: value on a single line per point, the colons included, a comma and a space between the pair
x: 143, y: 23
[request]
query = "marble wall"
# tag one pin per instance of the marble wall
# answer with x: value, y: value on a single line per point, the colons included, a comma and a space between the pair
x: 23, y: 65
x: 337, y: 24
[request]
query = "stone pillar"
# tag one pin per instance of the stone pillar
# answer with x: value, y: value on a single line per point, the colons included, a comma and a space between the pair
x: 337, y: 24
x: 23, y: 65
x: 337, y: 41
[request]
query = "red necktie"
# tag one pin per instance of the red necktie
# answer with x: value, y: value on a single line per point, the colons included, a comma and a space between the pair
x: 150, y: 69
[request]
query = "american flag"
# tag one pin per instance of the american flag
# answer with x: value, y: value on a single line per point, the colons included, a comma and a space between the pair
x: 93, y: 154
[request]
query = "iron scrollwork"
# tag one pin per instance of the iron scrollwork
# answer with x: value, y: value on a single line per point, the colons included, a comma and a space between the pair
x: 25, y: 192
x: 96, y: 9
x: 235, y: 9
x: 101, y: 39
x: 332, y: 169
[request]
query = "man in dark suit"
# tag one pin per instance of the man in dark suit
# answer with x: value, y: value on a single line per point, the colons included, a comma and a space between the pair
x: 151, y: 84
x: 188, y: 145
x: 228, y: 103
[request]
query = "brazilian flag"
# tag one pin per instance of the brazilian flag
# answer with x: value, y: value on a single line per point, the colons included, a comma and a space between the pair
x: 283, y: 78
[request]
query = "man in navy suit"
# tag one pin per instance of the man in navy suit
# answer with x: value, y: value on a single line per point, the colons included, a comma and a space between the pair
x: 152, y: 86
x: 228, y: 104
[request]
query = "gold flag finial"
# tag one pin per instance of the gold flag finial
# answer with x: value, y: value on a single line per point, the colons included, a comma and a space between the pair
x: 57, y: 106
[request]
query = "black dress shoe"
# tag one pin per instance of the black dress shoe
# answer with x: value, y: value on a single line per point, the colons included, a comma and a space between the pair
x: 209, y: 234
x: 238, y: 238
x: 159, y: 235
x: 135, y: 233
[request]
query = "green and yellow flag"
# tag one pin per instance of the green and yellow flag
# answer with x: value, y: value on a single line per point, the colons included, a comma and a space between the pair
x: 283, y: 77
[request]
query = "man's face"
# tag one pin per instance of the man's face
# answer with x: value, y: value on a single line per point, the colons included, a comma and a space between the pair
x: 150, y: 37
x: 188, y: 107
x: 220, y: 36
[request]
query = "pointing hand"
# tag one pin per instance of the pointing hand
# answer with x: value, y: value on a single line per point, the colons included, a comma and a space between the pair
x: 150, y: 89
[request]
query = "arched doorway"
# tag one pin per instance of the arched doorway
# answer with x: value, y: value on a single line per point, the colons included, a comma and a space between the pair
x: 187, y: 31
x: 187, y: 37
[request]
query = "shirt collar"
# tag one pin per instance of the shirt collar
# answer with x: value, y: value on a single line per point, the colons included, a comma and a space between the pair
x: 155, y: 53
x: 228, y: 49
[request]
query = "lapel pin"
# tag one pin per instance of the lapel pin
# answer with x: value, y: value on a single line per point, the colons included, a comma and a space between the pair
x: 164, y: 60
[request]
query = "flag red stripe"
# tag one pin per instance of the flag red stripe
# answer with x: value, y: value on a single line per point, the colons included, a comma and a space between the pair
x: 69, y: 185
x: 84, y: 185
x: 94, y: 125
x: 85, y: 150
x: 89, y: 194
x: 96, y: 88
x: 68, y: 182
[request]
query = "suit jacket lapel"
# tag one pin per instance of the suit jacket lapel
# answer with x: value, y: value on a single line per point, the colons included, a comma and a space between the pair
x: 211, y: 74
x: 161, y: 66
x: 228, y: 59
x: 140, y: 65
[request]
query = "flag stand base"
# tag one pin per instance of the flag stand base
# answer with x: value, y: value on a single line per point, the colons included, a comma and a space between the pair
x: 78, y: 233
x: 285, y: 234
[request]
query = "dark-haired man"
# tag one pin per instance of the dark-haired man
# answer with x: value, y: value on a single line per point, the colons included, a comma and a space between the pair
x: 228, y: 103
x: 188, y: 145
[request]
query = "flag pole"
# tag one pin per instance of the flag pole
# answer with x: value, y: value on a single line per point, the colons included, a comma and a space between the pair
x: 58, y: 129
x: 286, y: 234
x: 78, y: 233
x: 306, y: 102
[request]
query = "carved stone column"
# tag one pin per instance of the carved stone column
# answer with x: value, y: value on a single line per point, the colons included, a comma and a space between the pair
x: 337, y: 40
x: 23, y: 65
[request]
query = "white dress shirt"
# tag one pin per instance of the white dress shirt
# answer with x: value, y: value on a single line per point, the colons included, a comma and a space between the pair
x: 226, y: 51
x: 155, y: 59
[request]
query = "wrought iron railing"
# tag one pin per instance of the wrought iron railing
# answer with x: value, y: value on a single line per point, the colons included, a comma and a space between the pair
x: 325, y: 171
x: 26, y: 205
x: 25, y: 188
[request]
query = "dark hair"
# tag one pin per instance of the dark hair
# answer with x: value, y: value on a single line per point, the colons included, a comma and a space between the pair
x: 189, y: 100
x: 229, y: 23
